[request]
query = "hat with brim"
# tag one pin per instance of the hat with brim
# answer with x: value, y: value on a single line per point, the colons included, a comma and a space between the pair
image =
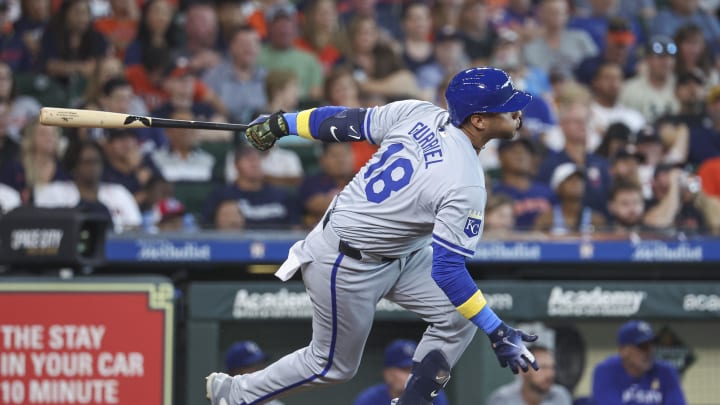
x: 564, y: 172
x: 517, y: 101
x: 635, y: 333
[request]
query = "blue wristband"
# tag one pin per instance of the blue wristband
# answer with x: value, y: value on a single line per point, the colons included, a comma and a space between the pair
x: 486, y: 320
x: 291, y: 119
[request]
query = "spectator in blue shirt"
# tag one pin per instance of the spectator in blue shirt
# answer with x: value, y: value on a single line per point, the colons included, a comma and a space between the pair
x: 573, y: 119
x: 683, y: 12
x: 261, y: 205
x: 619, y: 43
x: 530, y: 198
x: 633, y: 376
x: 397, y: 366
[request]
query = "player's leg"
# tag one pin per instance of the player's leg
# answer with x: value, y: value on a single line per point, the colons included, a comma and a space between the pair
x: 344, y: 300
x: 444, y: 340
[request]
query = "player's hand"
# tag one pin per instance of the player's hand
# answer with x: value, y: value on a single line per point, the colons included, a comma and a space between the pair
x: 509, y: 347
x: 265, y: 130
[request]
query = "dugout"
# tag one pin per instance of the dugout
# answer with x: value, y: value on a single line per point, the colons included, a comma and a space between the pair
x: 584, y: 314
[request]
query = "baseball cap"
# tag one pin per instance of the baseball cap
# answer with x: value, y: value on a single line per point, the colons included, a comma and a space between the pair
x: 280, y: 10
x: 635, y: 333
x: 399, y: 353
x: 647, y: 134
x: 625, y: 153
x: 619, y: 31
x: 619, y: 131
x: 243, y: 354
x: 661, y: 45
x: 169, y: 207
x: 528, y: 144
x: 563, y: 172
x: 178, y: 68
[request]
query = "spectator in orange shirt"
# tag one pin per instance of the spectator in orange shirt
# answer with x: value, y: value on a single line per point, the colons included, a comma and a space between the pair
x: 319, y: 30
x: 709, y: 173
x: 120, y: 27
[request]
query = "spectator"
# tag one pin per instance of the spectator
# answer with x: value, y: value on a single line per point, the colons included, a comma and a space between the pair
x: 649, y: 144
x: 20, y: 109
x: 341, y: 88
x: 38, y: 162
x: 261, y: 205
x: 633, y: 375
x: 120, y: 26
x: 517, y: 169
x: 535, y: 387
x: 182, y: 160
x: 86, y: 191
x: 34, y: 17
x: 14, y: 52
x: 228, y: 216
x: 180, y: 84
x: 170, y: 216
x: 619, y: 46
x: 673, y: 205
x: 397, y: 364
x: 9, y: 199
x: 449, y: 58
x: 606, y: 108
x: 239, y: 79
x: 625, y: 166
x: 282, y: 167
x: 478, y: 33
x: 519, y: 17
x: 569, y: 214
x: 70, y: 45
x: 705, y: 138
x: 573, y: 120
x: 386, y: 15
x: 156, y: 31
x: 446, y: 14
x: 626, y: 206
x: 616, y: 138
x: 376, y: 66
x: 8, y: 147
x: 106, y: 69
x: 417, y: 46
x: 652, y: 92
x: 682, y: 12
x: 499, y: 217
x: 201, y: 35
x: 231, y: 15
x: 558, y: 45
x: 244, y: 357
x: 281, y: 53
x: 126, y: 165
x: 317, y: 192
x: 319, y: 32
x: 597, y: 22
x: 694, y: 54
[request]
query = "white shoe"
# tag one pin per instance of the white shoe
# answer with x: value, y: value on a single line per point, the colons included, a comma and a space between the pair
x: 218, y: 388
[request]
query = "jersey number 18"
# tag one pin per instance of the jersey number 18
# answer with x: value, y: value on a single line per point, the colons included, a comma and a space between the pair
x: 393, y: 177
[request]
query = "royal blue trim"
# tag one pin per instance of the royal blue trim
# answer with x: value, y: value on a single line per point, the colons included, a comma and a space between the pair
x: 291, y: 119
x: 368, y: 136
x: 486, y: 319
x: 331, y: 356
x: 452, y: 246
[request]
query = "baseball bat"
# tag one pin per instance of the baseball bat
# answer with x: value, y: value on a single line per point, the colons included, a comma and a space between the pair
x: 77, y: 118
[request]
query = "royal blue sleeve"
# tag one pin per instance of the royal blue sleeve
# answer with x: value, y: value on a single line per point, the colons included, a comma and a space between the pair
x: 329, y: 124
x: 603, y: 390
x: 451, y: 275
x: 672, y: 393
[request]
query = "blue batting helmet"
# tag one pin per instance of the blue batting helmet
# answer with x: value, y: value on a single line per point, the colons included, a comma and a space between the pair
x: 482, y: 90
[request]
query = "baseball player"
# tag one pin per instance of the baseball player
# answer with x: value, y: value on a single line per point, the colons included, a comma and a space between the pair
x: 401, y: 230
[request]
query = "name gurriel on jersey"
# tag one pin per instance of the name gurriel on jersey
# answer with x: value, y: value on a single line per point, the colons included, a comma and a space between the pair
x: 428, y: 142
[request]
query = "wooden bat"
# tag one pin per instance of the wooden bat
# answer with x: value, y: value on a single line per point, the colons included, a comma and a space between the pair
x: 77, y: 118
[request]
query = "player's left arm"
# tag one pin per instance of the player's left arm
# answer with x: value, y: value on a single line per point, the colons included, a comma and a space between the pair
x: 673, y: 393
x: 456, y: 233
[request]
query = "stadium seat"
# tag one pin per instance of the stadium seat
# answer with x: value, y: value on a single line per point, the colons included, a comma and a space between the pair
x: 194, y: 193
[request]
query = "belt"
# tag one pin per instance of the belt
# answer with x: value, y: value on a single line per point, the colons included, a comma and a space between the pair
x: 349, y: 251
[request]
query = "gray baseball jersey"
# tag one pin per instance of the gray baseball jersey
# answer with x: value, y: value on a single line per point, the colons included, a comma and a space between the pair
x: 424, y: 184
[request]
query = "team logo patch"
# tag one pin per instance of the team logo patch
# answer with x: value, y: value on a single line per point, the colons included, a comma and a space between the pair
x: 473, y: 224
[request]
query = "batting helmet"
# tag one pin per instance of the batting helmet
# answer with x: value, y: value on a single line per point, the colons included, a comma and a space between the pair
x: 482, y: 90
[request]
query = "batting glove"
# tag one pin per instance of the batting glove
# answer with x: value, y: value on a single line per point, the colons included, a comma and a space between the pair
x: 509, y: 347
x: 265, y: 130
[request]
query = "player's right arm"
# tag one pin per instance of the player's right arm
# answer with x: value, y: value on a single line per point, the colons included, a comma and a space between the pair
x: 329, y: 124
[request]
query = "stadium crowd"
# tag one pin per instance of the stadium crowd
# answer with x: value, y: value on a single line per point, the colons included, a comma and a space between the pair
x: 622, y: 136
